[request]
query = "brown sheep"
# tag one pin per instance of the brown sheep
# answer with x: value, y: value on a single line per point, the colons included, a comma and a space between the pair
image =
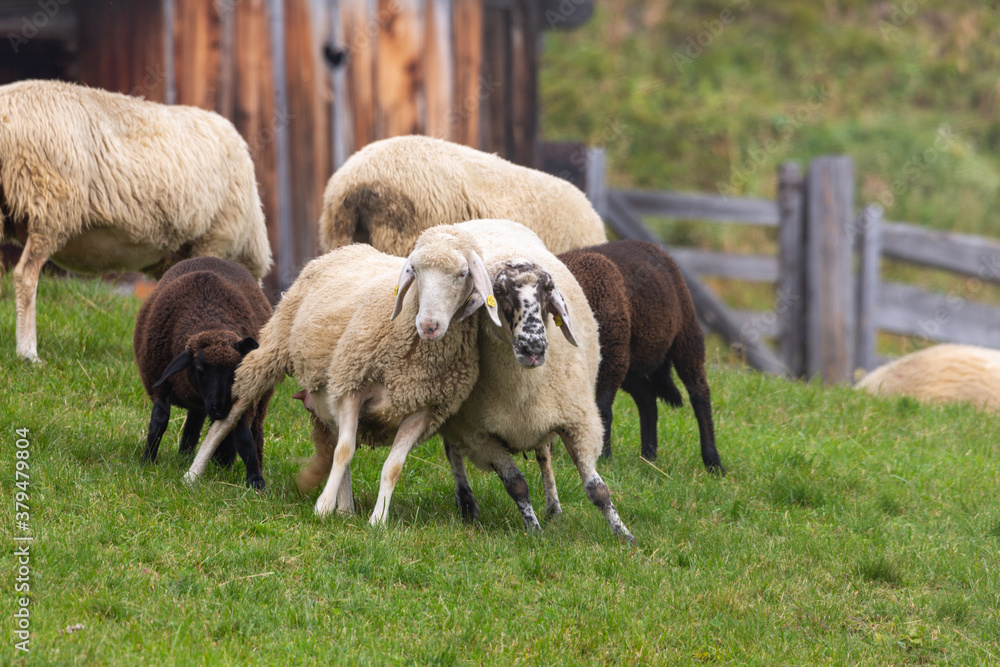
x: 647, y: 324
x: 203, y: 317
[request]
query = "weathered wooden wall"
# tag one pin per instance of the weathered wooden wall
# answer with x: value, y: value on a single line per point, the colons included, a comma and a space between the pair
x: 309, y: 82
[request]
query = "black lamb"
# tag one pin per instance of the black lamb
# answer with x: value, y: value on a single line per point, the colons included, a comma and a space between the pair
x: 647, y: 324
x: 191, y: 334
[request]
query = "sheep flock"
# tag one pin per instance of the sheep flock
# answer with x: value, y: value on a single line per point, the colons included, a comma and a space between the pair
x: 458, y: 294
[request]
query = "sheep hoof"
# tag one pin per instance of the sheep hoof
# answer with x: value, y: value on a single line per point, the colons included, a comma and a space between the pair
x: 256, y: 483
x: 33, y: 359
x: 190, y: 478
x: 716, y: 469
x: 323, y: 508
x: 552, y: 511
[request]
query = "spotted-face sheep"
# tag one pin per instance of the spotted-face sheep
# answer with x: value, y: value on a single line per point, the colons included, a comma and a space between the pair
x: 367, y: 373
x: 647, y: 325
x: 544, y: 389
x: 100, y: 182
x: 391, y: 190
x: 941, y: 374
x: 192, y: 332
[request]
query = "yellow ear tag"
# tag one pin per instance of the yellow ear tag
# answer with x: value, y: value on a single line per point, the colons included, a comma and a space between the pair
x: 557, y: 320
x: 491, y: 302
x: 395, y: 290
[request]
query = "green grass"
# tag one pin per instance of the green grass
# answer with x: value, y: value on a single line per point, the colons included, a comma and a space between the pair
x: 849, y: 530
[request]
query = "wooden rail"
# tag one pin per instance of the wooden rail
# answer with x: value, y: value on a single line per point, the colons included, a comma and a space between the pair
x: 830, y: 301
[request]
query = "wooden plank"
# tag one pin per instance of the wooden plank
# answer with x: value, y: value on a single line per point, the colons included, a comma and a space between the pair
x: 909, y: 310
x: 307, y: 122
x: 968, y: 255
x: 760, y: 324
x: 135, y: 66
x: 359, y: 17
x: 341, y: 131
x: 439, y: 76
x: 870, y: 253
x: 197, y: 35
x: 596, y: 185
x: 829, y: 264
x: 495, y: 116
x: 754, y: 268
x: 277, y: 130
x: 790, y: 299
x: 398, y: 74
x: 254, y: 108
x: 565, y: 159
x: 703, y: 207
x: 711, y: 310
x: 470, y: 85
x: 523, y: 90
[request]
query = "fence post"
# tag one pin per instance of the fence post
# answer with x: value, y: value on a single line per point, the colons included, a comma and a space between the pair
x: 869, y: 244
x: 790, y: 303
x: 830, y: 290
x: 596, y: 180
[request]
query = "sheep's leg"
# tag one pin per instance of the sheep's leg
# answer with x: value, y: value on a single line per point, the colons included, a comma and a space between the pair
x: 464, y: 497
x: 407, y: 435
x: 595, y: 487
x: 544, y: 457
x: 193, y: 424
x: 645, y: 400
x: 219, y: 430
x: 517, y: 487
x: 25, y: 291
x: 158, y: 422
x: 319, y: 466
x: 348, y: 409
x: 693, y: 377
x: 226, y: 453
x: 345, y: 496
x: 605, y: 401
x: 248, y: 452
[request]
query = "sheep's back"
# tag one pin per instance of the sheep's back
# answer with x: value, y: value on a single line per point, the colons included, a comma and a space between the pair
x: 942, y: 373
x: 73, y: 158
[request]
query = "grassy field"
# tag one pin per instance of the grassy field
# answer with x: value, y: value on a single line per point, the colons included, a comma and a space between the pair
x: 848, y: 530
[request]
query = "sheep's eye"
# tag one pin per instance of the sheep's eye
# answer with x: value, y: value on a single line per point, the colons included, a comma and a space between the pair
x: 462, y: 275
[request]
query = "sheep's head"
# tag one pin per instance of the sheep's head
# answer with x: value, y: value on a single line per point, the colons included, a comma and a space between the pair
x: 213, y: 355
x: 451, y: 281
x: 526, y: 294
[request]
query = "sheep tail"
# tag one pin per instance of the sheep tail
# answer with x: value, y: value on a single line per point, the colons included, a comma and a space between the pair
x: 262, y: 368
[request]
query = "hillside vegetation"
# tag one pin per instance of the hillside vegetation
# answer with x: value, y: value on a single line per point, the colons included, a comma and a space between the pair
x: 712, y: 96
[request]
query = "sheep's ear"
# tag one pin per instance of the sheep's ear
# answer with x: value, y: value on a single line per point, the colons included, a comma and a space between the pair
x: 180, y: 362
x: 406, y: 277
x: 482, y: 289
x: 560, y: 315
x: 246, y: 345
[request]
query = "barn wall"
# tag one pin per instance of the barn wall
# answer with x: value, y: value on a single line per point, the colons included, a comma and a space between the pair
x: 309, y: 82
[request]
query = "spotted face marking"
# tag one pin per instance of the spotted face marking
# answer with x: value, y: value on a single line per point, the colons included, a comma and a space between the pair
x: 523, y: 290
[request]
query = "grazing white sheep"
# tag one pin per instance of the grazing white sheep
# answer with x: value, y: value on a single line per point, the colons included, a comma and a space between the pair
x: 940, y: 374
x: 391, y: 190
x: 543, y: 388
x: 365, y: 373
x: 99, y: 182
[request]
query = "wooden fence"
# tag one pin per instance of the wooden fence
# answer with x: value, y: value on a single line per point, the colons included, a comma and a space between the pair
x: 830, y: 301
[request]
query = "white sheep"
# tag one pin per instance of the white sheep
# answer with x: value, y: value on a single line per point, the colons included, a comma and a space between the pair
x: 544, y: 389
x: 100, y: 182
x: 365, y: 373
x: 391, y: 190
x: 940, y: 374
